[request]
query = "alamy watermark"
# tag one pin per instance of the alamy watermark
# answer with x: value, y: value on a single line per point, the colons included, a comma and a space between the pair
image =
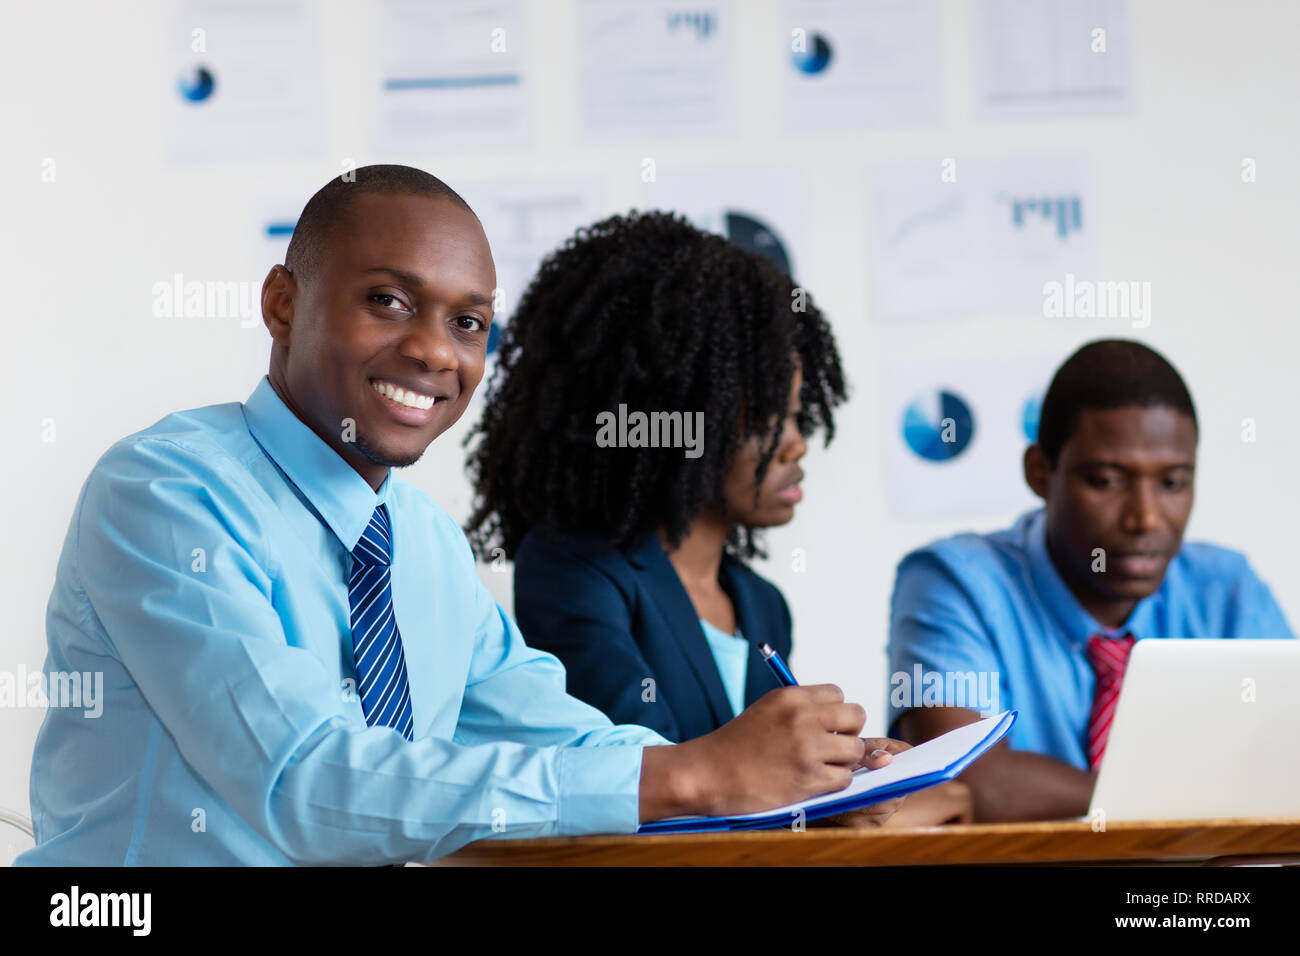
x: 129, y: 910
x: 974, y: 690
x: 74, y: 689
x: 1085, y: 299
x: 651, y: 430
x: 180, y: 299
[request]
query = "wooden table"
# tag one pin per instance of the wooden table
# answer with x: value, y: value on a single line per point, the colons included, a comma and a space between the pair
x: 1186, y: 842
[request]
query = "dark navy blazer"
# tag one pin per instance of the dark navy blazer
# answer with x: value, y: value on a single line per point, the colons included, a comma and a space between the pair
x: 619, y: 618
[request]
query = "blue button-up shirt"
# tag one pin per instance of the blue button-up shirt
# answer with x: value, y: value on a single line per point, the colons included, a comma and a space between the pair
x: 204, y: 576
x: 990, y: 616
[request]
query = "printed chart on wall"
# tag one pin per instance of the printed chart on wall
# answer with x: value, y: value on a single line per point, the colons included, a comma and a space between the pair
x: 451, y: 76
x: 655, y: 69
x: 759, y: 206
x: 242, y: 81
x: 983, y: 236
x: 854, y: 65
x: 1045, y: 59
x: 525, y: 219
x: 955, y: 428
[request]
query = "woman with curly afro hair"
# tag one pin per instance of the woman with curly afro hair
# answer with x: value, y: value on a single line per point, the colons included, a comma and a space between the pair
x: 647, y: 312
x: 630, y: 552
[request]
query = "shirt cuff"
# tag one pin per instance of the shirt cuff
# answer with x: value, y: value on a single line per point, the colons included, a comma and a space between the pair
x: 600, y: 790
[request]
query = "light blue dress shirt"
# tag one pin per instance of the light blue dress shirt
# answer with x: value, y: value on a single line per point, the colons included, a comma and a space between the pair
x: 994, y: 605
x: 731, y: 654
x: 204, y: 574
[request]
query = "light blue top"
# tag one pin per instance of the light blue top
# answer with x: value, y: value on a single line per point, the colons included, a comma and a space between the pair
x: 991, y: 612
x: 204, y: 574
x: 731, y: 653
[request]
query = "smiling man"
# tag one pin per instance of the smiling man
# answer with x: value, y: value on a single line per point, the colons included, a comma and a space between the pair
x: 1046, y: 612
x: 300, y: 662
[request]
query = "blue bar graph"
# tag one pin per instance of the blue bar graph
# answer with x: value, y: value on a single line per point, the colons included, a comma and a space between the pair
x: 449, y: 82
x: 1067, y: 211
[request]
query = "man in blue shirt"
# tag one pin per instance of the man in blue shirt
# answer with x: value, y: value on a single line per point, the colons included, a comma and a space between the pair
x: 298, y: 661
x: 1040, y: 617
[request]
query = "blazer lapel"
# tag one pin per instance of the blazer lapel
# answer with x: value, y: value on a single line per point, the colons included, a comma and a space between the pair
x: 682, y: 622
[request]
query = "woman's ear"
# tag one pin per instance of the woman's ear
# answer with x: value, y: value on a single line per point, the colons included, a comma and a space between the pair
x: 1036, y: 470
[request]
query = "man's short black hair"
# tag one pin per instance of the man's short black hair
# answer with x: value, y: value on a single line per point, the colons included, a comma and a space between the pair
x: 329, y: 209
x: 1108, y: 373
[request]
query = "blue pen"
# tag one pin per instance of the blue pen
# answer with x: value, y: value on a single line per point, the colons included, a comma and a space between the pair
x: 783, y: 675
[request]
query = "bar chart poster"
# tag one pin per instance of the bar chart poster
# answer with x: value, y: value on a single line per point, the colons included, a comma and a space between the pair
x: 451, y: 76
x: 953, y: 236
x: 655, y: 69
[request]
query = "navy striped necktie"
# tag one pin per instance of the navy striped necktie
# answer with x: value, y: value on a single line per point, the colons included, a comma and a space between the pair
x: 381, y: 665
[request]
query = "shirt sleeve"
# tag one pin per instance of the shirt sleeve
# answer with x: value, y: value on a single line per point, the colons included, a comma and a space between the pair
x: 517, y: 692
x: 1255, y: 612
x: 934, y: 629
x: 172, y: 560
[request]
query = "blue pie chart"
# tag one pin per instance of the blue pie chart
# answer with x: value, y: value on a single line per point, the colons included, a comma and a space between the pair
x: 816, y: 58
x: 938, y: 426
x: 197, y: 85
x: 750, y: 232
x: 1029, y: 419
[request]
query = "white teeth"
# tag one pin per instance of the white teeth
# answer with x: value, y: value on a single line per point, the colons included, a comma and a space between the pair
x: 401, y: 396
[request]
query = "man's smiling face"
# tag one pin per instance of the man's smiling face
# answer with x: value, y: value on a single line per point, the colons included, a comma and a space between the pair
x: 401, y: 298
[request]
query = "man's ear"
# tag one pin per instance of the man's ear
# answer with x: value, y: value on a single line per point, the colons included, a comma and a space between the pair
x: 279, y: 292
x: 1036, y: 470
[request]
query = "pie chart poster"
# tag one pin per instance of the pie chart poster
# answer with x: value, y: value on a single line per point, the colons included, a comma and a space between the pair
x: 955, y: 430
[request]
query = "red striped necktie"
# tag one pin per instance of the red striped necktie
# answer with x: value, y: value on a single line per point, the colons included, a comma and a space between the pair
x: 1108, y: 657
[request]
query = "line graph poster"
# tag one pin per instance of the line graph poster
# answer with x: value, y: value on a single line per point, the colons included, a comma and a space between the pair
x: 960, y: 237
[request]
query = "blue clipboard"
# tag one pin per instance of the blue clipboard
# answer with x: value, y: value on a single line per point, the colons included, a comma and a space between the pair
x: 830, y: 805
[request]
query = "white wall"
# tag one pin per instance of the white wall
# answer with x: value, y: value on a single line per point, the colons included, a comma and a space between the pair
x: 1215, y: 82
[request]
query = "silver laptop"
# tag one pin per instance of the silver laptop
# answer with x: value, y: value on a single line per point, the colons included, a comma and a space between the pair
x: 1204, y: 729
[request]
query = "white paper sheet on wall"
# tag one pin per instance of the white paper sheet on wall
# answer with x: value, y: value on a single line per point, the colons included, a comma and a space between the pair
x: 452, y: 76
x: 760, y: 206
x: 655, y: 69
x: 1043, y: 59
x: 862, y: 64
x: 242, y: 81
x: 525, y: 219
x: 954, y: 236
x: 955, y: 427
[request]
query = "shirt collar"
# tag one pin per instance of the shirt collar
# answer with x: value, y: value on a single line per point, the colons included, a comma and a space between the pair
x: 1061, y: 603
x: 343, y: 499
